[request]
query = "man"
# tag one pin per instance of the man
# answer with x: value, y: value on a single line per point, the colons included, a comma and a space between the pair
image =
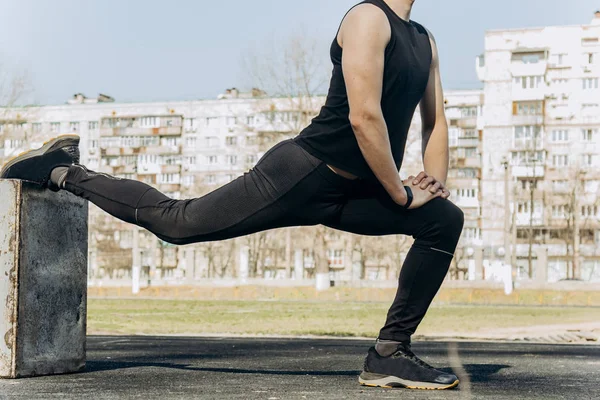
x: 341, y: 171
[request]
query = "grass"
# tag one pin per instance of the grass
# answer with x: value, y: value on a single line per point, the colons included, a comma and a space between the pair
x: 345, y: 319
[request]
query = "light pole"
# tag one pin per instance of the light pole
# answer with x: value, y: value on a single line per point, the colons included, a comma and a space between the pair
x: 507, y: 248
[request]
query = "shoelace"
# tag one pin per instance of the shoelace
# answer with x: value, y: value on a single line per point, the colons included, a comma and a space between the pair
x: 405, y: 351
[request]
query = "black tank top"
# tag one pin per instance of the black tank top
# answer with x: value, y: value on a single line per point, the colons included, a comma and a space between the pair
x: 408, y: 56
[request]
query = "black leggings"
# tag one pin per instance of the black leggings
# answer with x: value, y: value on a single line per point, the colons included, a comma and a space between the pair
x: 290, y: 187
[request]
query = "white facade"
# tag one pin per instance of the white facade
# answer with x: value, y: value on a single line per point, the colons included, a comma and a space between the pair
x: 542, y: 114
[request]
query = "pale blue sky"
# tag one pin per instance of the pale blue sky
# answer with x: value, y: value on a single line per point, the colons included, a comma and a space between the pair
x: 144, y: 50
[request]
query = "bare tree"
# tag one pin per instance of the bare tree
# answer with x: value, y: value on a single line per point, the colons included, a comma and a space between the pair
x: 15, y: 91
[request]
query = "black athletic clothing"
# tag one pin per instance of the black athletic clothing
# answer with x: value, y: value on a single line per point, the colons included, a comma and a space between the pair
x: 408, y: 56
x: 288, y: 187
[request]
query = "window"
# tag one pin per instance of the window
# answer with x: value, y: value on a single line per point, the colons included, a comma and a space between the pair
x: 231, y: 159
x: 231, y: 121
x: 251, y: 158
x: 170, y: 141
x: 560, y: 135
x: 169, y: 178
x: 231, y: 141
x: 468, y: 112
x: 587, y: 160
x: 149, y: 122
x: 528, y: 82
x: 54, y: 127
x: 191, y: 142
x: 466, y: 193
x: 36, y: 127
x: 471, y: 233
x: 230, y: 177
x: 211, y: 141
x: 527, y: 132
x: 561, y: 185
x: 210, y: 179
x: 12, y: 144
x: 93, y: 125
x: 251, y: 140
x: 147, y: 159
x: 591, y: 186
x: 190, y: 124
x: 250, y: 120
x: 93, y: 144
x: 590, y: 83
x: 527, y: 184
x: 589, y: 211
x: 590, y: 58
x: 527, y: 157
x: 560, y: 160
x: 528, y: 108
x: 189, y: 180
x: 190, y: 160
x: 470, y: 151
x: 558, y: 59
x: 336, y: 258
x: 211, y: 160
x: 587, y: 135
x: 170, y: 160
x: 212, y: 122
x: 559, y: 211
x: 74, y: 126
x: 467, y: 173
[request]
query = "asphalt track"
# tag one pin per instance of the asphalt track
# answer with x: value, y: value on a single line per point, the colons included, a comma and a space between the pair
x: 272, y: 369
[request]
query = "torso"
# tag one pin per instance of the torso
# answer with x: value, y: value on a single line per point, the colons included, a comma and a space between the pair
x: 330, y: 136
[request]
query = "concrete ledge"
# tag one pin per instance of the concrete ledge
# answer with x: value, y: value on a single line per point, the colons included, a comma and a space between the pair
x: 43, y: 277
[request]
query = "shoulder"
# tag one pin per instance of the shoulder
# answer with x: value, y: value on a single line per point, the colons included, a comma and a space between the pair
x: 366, y: 14
x: 368, y: 21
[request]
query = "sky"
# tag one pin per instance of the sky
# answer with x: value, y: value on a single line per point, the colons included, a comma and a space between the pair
x: 151, y: 50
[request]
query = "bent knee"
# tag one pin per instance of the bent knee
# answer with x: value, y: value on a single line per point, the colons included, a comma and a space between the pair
x: 444, y: 218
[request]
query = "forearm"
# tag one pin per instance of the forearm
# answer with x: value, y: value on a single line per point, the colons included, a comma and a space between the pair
x: 436, y: 153
x: 374, y: 143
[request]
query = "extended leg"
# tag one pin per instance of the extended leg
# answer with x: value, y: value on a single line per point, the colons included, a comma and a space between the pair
x: 258, y: 200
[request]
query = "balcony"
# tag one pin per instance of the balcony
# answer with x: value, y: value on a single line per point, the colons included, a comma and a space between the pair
x: 469, y: 122
x: 161, y: 150
x: 137, y: 131
x: 148, y: 169
x: 520, y: 94
x: 471, y: 202
x: 528, y: 119
x: 519, y: 171
x: 528, y: 144
x: 169, y: 169
x: 124, y: 169
x: 468, y: 142
x: 525, y: 219
x: 169, y: 187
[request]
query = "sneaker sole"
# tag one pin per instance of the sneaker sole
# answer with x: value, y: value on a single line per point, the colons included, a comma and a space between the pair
x: 390, y: 382
x: 47, y: 146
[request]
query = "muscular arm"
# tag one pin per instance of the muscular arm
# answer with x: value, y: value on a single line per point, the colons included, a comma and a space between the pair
x: 435, y: 126
x: 364, y: 35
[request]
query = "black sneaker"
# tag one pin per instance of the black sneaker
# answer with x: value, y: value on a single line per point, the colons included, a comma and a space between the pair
x: 403, y: 369
x: 36, y: 165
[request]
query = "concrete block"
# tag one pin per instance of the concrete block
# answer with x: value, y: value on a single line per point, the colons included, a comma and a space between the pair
x: 43, y: 280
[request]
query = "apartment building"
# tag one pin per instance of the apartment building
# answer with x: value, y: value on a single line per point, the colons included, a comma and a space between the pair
x: 528, y: 143
x: 540, y: 148
x: 187, y: 149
